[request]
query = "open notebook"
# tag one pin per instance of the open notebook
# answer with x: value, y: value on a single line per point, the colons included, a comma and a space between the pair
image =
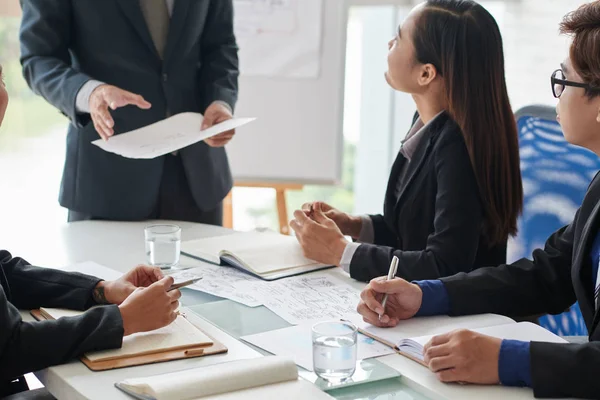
x: 268, y: 256
x: 412, y: 347
x: 260, y: 378
x: 181, y: 334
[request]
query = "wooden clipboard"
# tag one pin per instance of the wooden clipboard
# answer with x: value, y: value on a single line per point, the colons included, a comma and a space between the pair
x: 132, y: 361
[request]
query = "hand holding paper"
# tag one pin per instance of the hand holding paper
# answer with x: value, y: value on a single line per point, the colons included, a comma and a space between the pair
x: 166, y: 136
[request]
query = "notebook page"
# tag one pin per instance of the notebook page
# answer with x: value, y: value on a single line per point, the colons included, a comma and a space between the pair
x: 212, y: 247
x: 215, y: 379
x: 423, y: 326
x: 260, y: 252
x: 180, y: 334
x: 525, y: 331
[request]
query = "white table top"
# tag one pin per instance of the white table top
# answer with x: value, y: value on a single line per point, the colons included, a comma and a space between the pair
x: 120, y: 246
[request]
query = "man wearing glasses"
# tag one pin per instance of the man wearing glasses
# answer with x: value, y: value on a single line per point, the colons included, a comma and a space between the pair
x: 565, y: 271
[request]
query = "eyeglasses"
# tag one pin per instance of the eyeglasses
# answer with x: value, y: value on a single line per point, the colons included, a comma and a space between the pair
x: 559, y: 83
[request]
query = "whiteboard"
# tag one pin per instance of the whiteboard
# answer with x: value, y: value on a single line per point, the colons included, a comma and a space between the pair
x: 279, y: 38
x: 297, y: 137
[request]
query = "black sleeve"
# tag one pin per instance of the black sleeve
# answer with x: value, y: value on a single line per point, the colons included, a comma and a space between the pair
x: 31, y: 346
x: 31, y: 287
x: 219, y: 54
x: 27, y: 347
x: 45, y: 37
x: 527, y: 287
x: 565, y: 370
x: 384, y: 236
x: 452, y: 245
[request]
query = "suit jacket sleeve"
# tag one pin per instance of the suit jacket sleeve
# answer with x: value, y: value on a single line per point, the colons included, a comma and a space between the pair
x: 384, y: 236
x: 527, y: 287
x: 565, y: 370
x: 452, y: 246
x: 219, y: 72
x: 47, y: 65
x: 30, y: 346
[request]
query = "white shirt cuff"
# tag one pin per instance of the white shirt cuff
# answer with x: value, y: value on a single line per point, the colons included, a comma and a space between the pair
x: 348, y: 255
x: 82, y: 101
x: 367, y: 231
x: 223, y: 103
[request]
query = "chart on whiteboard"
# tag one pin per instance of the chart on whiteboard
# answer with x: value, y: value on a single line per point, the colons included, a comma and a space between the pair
x: 279, y: 38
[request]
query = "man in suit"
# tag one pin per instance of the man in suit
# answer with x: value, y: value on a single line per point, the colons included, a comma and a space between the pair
x: 565, y: 271
x: 115, y: 66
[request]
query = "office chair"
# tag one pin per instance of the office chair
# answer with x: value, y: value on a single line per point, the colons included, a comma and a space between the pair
x: 556, y: 175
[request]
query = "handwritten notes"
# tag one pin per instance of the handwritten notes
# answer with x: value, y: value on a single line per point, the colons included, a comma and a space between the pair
x: 299, y: 299
x: 223, y: 282
x: 166, y: 136
x: 307, y: 298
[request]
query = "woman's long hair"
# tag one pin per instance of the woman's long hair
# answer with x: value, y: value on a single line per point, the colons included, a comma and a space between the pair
x: 462, y: 40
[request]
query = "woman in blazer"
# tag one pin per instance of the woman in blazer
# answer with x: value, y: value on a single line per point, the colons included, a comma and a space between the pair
x: 564, y: 271
x: 454, y: 192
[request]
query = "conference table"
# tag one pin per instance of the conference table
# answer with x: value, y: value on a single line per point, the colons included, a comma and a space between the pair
x: 120, y: 246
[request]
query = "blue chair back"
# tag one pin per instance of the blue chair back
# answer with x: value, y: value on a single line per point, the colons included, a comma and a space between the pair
x: 556, y: 175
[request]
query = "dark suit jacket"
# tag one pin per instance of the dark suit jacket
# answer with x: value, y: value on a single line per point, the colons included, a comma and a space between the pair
x: 65, y: 43
x: 557, y: 276
x: 27, y: 347
x: 435, y: 224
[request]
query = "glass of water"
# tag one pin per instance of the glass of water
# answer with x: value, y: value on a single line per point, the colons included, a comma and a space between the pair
x: 334, y: 350
x: 163, y: 244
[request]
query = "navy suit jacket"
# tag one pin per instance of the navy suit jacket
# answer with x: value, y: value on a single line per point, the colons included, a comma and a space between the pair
x: 65, y: 43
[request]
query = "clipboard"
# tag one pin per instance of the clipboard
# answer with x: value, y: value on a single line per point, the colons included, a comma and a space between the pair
x: 152, y: 358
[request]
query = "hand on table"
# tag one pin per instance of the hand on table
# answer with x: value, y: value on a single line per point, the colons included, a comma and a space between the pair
x: 404, y: 300
x: 464, y: 356
x: 349, y: 225
x: 215, y: 114
x: 105, y: 96
x: 150, y: 308
x: 115, y: 292
x: 320, y: 237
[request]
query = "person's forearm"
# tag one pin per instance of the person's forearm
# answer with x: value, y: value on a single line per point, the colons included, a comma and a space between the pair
x: 31, y: 346
x: 32, y: 287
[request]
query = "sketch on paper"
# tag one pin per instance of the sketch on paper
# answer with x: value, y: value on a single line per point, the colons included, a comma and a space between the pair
x: 279, y: 38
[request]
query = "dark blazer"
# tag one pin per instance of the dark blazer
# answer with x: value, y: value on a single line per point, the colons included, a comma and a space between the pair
x: 66, y: 43
x: 31, y: 346
x: 434, y: 225
x: 558, y: 275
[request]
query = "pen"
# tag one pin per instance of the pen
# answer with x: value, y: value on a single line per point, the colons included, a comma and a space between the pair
x: 391, y: 275
x: 184, y: 284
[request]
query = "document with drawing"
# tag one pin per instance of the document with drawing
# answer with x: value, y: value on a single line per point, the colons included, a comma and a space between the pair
x: 166, y: 136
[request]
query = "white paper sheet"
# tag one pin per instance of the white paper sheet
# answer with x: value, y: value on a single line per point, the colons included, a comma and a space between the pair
x: 296, y: 343
x: 307, y: 298
x: 223, y: 282
x: 166, y: 136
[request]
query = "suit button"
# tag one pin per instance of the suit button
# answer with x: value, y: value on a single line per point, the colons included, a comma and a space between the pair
x: 165, y: 77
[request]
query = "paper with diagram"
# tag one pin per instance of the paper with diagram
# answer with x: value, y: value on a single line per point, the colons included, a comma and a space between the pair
x: 225, y: 282
x: 307, y: 298
x: 279, y: 38
x: 166, y: 136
